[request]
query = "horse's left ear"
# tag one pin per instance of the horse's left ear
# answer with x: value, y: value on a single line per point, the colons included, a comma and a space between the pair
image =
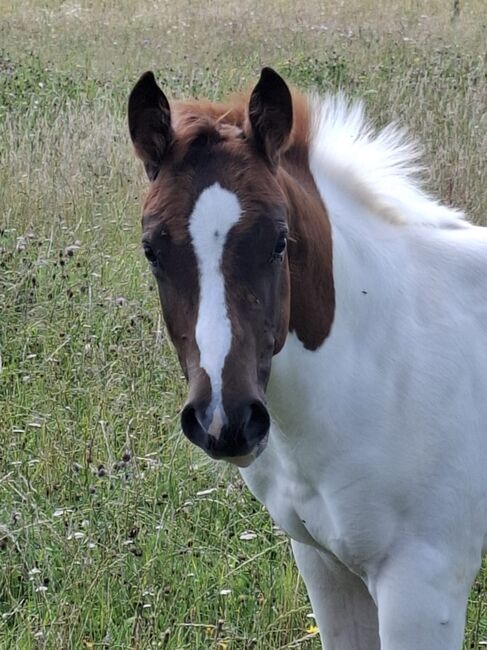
x: 271, y: 114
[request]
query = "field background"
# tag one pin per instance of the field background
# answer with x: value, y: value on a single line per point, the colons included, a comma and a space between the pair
x: 114, y: 531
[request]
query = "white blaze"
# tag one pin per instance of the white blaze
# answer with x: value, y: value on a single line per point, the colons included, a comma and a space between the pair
x: 214, y: 214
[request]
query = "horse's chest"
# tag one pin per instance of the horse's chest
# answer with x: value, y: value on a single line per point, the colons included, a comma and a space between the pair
x: 309, y: 512
x: 291, y: 504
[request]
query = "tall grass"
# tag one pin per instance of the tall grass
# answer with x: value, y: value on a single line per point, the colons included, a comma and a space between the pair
x: 114, y: 531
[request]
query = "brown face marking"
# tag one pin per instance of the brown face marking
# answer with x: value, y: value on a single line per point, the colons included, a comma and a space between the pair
x: 268, y: 290
x: 312, y: 296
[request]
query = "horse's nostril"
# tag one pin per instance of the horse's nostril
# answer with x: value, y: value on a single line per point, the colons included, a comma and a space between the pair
x: 188, y: 418
x: 192, y: 426
x: 256, y: 423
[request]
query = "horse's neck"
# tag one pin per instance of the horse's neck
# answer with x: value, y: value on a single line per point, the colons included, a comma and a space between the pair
x: 335, y: 249
x: 342, y: 291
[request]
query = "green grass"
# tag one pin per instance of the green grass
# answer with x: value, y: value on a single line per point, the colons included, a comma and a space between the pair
x: 108, y: 536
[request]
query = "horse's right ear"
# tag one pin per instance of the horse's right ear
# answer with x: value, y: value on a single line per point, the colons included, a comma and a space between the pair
x: 149, y: 119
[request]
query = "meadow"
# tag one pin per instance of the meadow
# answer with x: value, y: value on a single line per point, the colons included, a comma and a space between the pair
x: 114, y: 531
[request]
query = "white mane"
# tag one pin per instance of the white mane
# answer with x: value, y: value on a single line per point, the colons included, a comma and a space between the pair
x: 379, y: 169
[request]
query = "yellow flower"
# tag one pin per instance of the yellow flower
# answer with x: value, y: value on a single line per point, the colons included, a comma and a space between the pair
x: 312, y: 629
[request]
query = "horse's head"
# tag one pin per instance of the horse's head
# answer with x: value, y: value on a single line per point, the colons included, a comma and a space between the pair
x: 215, y: 232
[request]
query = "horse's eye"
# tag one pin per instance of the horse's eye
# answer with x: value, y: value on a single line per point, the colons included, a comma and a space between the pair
x: 150, y: 255
x: 279, y: 248
x: 280, y: 245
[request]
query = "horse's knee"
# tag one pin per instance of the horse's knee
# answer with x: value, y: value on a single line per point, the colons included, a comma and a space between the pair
x: 421, y: 602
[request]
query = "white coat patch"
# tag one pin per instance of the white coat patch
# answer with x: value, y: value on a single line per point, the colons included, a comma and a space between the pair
x: 214, y: 214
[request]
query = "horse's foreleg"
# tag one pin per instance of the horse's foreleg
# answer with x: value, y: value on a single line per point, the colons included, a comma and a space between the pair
x: 422, y: 600
x: 344, y: 610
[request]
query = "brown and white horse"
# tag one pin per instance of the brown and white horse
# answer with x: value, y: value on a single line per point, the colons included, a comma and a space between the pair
x: 331, y: 321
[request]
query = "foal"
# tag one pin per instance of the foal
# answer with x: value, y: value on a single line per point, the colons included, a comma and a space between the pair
x: 305, y: 277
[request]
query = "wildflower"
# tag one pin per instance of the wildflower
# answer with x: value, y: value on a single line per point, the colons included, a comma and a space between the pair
x: 247, y: 535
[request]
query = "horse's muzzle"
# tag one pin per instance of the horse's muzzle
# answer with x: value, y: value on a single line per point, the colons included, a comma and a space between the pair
x: 240, y: 439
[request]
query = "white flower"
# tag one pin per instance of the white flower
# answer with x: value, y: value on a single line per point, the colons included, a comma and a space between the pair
x: 248, y: 534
